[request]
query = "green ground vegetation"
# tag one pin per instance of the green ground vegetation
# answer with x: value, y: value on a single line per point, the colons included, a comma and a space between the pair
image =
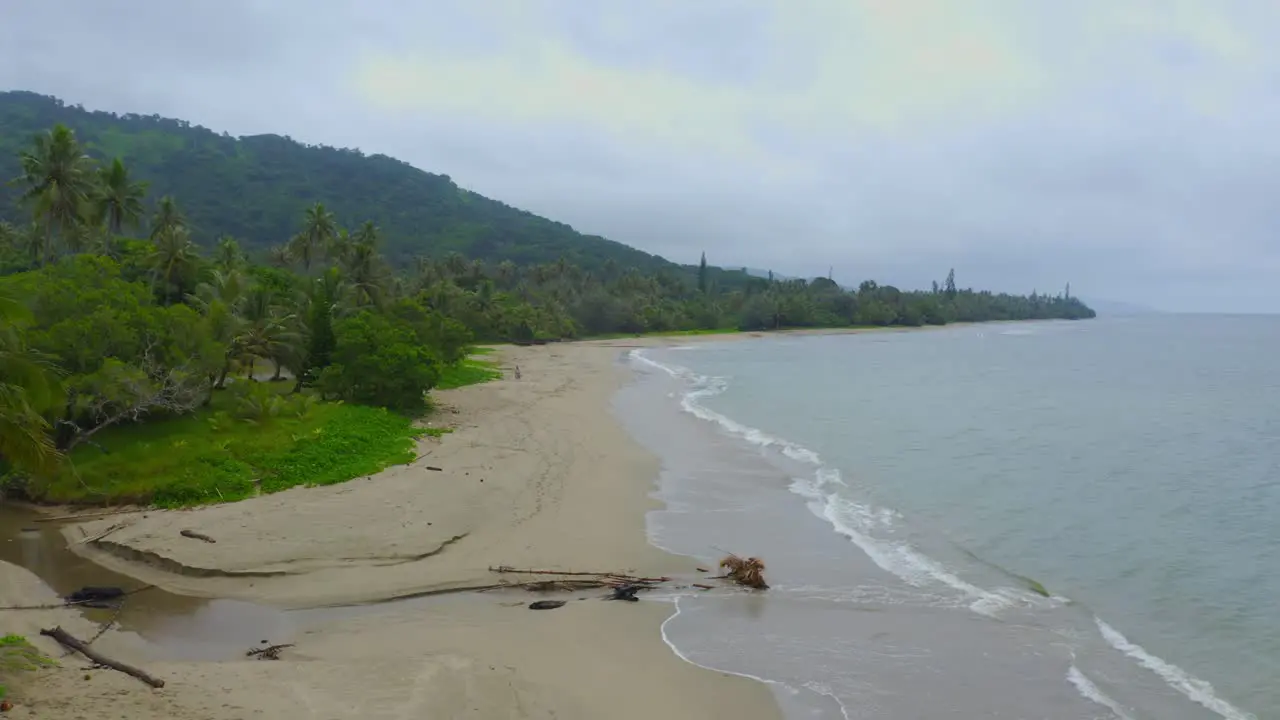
x: 254, y: 438
x: 17, y: 655
x: 475, y: 368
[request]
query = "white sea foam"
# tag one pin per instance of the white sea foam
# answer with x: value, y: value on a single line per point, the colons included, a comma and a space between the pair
x: 1193, y: 687
x: 828, y: 499
x: 1091, y: 691
x: 861, y: 523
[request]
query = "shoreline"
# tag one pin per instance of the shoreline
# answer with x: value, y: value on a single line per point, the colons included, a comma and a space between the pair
x: 538, y: 473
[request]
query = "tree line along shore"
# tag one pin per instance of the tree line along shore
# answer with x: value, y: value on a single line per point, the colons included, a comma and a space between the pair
x: 139, y: 366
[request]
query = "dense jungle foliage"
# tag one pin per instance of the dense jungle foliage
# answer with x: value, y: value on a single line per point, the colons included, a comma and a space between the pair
x: 112, y: 315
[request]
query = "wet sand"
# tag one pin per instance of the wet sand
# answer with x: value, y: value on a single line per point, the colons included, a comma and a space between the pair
x: 537, y: 474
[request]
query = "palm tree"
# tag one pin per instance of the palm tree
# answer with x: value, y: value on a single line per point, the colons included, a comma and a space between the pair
x: 28, y: 386
x: 507, y: 272
x: 59, y: 182
x: 119, y: 198
x: 167, y: 218
x: 78, y: 238
x: 278, y: 256
x: 29, y: 241
x: 362, y: 267
x: 173, y: 261
x: 455, y: 264
x: 9, y: 238
x: 340, y: 246
x: 269, y: 332
x: 227, y: 254
x: 318, y: 233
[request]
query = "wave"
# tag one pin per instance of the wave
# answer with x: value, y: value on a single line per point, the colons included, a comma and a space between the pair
x: 826, y: 495
x: 1088, y: 689
x: 1197, y: 690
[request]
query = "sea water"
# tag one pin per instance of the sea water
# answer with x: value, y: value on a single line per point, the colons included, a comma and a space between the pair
x: 1034, y: 520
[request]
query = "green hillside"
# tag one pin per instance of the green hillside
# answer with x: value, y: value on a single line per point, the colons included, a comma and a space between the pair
x: 256, y: 189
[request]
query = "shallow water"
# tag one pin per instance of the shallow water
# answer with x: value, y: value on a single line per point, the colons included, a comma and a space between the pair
x: 900, y: 485
x: 174, y: 627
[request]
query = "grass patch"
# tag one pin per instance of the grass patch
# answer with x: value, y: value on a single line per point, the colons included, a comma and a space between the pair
x: 17, y: 655
x: 254, y: 433
x: 470, y: 371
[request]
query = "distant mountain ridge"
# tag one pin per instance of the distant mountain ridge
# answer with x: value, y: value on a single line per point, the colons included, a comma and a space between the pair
x: 256, y: 188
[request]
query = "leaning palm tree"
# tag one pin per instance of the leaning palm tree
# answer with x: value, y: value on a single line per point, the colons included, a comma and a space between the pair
x: 269, y: 332
x: 59, y: 183
x: 220, y: 299
x: 119, y: 198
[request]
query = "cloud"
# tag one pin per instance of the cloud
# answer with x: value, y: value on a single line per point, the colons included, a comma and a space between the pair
x: 1126, y: 147
x: 833, y: 68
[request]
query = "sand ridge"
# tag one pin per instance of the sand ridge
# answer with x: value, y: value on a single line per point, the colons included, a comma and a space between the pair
x: 536, y: 474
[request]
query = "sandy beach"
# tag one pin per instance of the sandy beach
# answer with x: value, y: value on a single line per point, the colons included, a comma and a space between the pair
x: 537, y: 473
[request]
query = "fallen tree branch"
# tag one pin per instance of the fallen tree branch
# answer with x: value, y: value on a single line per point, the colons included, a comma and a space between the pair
x: 66, y: 640
x: 619, y: 576
x: 568, y: 585
x: 106, y: 532
x: 197, y: 536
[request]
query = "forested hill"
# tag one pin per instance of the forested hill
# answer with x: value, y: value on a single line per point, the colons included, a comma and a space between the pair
x: 256, y: 188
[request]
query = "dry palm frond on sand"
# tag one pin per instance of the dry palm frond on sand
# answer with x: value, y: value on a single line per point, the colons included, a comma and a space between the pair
x: 748, y: 572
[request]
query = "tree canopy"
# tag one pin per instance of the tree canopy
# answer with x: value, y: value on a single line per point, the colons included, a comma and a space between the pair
x: 114, y: 315
x: 256, y: 188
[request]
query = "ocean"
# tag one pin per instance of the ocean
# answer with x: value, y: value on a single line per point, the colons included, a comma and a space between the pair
x: 1030, y: 520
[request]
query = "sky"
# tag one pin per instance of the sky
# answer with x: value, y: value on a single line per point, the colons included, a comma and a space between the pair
x: 1130, y: 148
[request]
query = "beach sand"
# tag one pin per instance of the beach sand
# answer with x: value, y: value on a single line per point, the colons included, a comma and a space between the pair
x: 537, y: 473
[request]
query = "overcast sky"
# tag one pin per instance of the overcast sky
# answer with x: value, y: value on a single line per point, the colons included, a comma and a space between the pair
x: 1129, y: 147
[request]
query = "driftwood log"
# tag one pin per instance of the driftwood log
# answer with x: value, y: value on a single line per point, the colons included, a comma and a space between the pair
x: 71, y: 643
x: 84, y: 516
